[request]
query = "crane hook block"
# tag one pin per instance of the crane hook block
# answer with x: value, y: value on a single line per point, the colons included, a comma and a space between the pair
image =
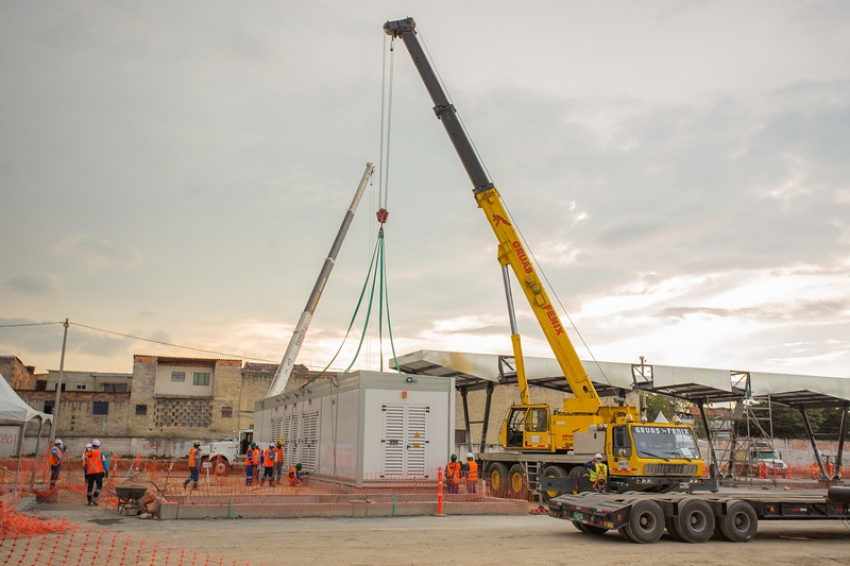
x: 382, y: 215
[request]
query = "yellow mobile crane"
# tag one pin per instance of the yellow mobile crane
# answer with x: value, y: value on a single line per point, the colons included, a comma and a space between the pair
x: 551, y: 447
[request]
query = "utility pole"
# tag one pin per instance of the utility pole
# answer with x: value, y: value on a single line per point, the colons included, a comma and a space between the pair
x: 59, y: 384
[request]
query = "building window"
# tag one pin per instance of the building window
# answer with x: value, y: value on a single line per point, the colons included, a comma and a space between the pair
x: 100, y: 408
x: 81, y: 387
x: 178, y: 376
x: 48, y: 407
x: 141, y: 410
x: 226, y: 412
x: 115, y: 388
x: 41, y: 385
x: 201, y: 378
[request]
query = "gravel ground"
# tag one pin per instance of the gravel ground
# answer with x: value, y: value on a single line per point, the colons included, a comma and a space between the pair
x: 462, y: 540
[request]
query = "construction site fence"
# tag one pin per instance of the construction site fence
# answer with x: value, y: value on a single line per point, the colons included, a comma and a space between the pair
x: 30, y: 539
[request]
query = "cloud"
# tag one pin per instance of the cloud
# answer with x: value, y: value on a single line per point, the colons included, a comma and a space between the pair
x: 36, y: 284
x: 98, y: 254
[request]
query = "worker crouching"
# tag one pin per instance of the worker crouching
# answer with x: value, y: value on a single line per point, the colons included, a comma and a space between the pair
x: 295, y: 476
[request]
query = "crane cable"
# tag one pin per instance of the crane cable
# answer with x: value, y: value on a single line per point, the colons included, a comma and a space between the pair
x: 376, y: 275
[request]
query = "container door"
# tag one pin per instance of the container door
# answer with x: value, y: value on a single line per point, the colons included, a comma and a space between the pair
x: 405, y: 443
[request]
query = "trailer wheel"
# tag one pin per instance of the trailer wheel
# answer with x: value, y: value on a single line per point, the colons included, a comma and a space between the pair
x: 740, y: 522
x: 517, y: 484
x: 646, y: 522
x: 553, y: 472
x: 580, y: 526
x: 498, y: 475
x: 695, y: 521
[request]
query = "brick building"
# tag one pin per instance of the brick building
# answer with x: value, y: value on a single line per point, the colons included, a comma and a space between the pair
x: 16, y: 373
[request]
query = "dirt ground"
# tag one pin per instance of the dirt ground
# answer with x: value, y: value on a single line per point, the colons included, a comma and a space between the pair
x: 536, y: 539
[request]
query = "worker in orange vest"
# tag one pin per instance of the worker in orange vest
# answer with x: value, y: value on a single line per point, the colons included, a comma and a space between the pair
x: 470, y: 470
x: 252, y: 457
x: 57, y: 455
x: 95, y: 467
x: 278, y: 462
x: 269, y: 455
x: 453, y: 472
x: 194, y: 462
x: 295, y: 475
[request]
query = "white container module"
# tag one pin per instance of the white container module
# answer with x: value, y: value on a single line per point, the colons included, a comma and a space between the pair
x: 363, y: 427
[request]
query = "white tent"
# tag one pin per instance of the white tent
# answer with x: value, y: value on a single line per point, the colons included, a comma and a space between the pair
x: 14, y: 411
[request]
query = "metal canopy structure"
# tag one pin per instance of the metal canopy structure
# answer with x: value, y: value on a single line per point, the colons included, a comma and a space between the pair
x: 700, y: 386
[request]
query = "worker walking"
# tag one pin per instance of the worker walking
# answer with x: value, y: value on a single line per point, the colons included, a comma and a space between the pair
x: 470, y: 471
x: 453, y: 472
x: 251, y: 461
x: 194, y: 461
x: 278, y: 462
x: 295, y: 475
x: 269, y: 456
x: 96, y: 468
x: 57, y: 456
x: 597, y: 473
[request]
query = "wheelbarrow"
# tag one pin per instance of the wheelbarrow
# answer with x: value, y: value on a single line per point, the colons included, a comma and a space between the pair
x: 129, y: 498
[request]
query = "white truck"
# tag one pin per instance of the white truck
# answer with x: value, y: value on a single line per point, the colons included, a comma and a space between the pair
x: 224, y: 454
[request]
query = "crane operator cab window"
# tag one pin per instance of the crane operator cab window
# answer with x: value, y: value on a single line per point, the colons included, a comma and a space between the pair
x: 526, y: 420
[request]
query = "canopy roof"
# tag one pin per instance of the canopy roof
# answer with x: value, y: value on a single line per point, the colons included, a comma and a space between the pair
x: 698, y: 385
x: 13, y: 409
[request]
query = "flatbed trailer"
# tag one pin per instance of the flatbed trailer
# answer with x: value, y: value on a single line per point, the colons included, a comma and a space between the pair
x: 732, y: 515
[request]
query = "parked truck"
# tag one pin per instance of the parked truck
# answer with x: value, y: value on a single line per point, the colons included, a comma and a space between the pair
x: 224, y: 454
x: 539, y: 442
x: 759, y: 460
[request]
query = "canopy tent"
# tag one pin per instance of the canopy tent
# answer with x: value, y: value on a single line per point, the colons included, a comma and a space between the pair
x: 14, y: 411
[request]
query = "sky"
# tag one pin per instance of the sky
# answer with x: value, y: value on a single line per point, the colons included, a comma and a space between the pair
x: 174, y: 173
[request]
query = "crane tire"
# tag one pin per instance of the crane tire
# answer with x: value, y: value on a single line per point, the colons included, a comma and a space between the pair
x: 695, y: 521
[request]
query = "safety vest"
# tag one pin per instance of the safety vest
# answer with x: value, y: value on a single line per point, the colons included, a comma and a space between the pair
x: 472, y: 474
x: 598, y: 472
x: 56, y: 456
x: 257, y: 453
x: 251, y: 458
x: 278, y: 454
x: 194, y: 455
x: 94, y: 461
x: 268, y: 457
x: 292, y: 476
x: 453, y: 472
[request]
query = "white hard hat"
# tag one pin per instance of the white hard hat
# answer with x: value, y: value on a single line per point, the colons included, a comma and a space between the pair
x: 95, y: 442
x: 598, y: 456
x: 88, y: 446
x: 470, y: 455
x: 271, y: 444
x: 58, y: 442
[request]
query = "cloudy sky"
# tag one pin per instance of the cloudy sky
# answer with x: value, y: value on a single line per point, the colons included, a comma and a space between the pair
x: 177, y: 171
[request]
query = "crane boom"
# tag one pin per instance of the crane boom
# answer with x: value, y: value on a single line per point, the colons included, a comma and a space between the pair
x: 284, y: 370
x: 511, y: 250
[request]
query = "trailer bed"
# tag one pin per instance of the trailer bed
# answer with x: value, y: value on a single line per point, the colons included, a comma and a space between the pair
x: 695, y: 517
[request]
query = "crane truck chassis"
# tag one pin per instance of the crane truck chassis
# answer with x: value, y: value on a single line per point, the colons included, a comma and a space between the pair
x: 643, y: 517
x: 657, y: 457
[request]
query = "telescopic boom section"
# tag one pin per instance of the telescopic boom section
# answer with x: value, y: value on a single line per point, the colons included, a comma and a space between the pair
x: 511, y: 251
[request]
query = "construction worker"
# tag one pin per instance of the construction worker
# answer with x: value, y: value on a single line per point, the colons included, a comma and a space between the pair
x: 269, y: 455
x: 453, y: 472
x: 470, y: 471
x: 95, y: 468
x: 251, y: 460
x: 278, y: 462
x: 57, y: 455
x: 295, y: 475
x: 597, y: 473
x: 194, y: 462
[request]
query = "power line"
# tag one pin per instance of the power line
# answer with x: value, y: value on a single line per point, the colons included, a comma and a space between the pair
x: 169, y: 343
x: 130, y: 336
